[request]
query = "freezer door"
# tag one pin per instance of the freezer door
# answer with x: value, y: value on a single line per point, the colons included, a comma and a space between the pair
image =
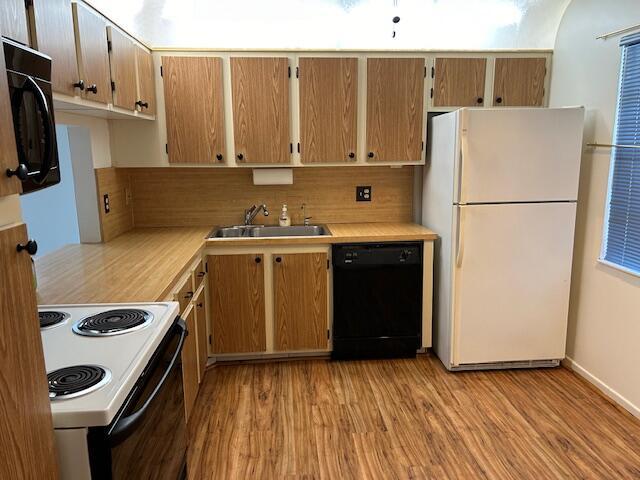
x: 520, y: 155
x: 512, y: 277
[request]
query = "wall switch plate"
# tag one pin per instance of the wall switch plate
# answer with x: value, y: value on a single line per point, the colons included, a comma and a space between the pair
x: 363, y: 193
x: 105, y: 201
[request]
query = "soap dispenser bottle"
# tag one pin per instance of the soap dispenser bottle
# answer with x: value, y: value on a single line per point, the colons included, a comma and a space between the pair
x: 284, y: 220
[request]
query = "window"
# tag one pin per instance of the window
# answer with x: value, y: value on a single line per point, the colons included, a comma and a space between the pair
x: 621, y: 245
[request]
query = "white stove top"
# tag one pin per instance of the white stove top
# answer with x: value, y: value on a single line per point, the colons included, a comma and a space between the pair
x: 124, y: 355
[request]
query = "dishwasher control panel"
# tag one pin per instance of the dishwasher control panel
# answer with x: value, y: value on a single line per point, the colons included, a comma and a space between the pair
x: 377, y: 254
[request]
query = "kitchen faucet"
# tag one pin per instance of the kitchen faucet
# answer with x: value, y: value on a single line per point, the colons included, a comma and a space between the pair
x: 251, y: 213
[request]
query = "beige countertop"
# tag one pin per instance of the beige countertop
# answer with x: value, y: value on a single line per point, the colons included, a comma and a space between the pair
x: 142, y: 265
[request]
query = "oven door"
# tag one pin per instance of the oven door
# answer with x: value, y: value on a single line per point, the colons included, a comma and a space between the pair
x: 148, y: 437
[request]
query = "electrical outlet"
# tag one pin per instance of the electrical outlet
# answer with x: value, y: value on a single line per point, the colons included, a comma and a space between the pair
x: 363, y: 193
x: 105, y: 201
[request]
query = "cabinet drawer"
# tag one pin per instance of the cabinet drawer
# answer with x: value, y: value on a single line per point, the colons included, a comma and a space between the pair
x: 199, y: 274
x: 184, y: 293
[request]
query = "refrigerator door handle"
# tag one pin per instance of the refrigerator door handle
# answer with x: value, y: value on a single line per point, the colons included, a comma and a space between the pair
x: 460, y: 237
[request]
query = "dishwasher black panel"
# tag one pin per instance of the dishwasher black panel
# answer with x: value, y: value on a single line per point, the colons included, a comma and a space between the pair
x: 377, y: 300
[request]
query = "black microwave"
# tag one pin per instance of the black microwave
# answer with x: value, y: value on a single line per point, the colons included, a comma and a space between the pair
x: 29, y: 75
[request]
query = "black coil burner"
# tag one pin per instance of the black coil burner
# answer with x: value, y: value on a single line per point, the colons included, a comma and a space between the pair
x: 76, y: 380
x: 113, y: 322
x: 50, y: 318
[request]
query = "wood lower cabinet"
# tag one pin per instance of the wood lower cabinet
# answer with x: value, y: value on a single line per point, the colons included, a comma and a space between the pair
x: 194, y: 109
x: 146, y: 101
x: 13, y: 20
x: 26, y: 429
x: 260, y: 99
x: 459, y: 82
x: 237, y: 303
x: 190, y: 381
x: 123, y: 70
x: 300, y: 285
x: 54, y: 35
x: 395, y: 98
x: 519, y: 82
x: 200, y: 306
x: 93, y: 53
x: 184, y: 293
x: 328, y: 109
x: 8, y: 155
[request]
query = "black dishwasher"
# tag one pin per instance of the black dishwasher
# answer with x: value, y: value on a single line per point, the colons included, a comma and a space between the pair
x: 377, y: 300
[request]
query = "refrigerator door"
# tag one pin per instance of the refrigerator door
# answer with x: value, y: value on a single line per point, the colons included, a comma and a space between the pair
x: 512, y: 269
x: 520, y: 155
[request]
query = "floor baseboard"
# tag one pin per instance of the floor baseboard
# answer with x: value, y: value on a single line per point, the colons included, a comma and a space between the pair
x: 603, y: 387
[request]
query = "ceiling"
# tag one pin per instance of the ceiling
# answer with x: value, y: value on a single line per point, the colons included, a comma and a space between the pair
x: 347, y: 24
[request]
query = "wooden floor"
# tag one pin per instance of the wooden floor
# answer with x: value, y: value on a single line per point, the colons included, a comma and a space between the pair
x: 406, y: 419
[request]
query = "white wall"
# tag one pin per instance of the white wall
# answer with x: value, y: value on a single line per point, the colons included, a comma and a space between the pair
x: 98, y: 130
x: 604, y: 319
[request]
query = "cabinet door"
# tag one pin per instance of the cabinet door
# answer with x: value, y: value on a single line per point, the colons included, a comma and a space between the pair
x: 300, y: 289
x: 395, y: 98
x: 13, y: 20
x: 328, y: 106
x: 93, y: 54
x: 8, y: 155
x: 190, y: 382
x: 200, y: 304
x: 519, y: 82
x: 146, y: 81
x: 260, y: 97
x: 459, y: 82
x: 123, y: 70
x: 236, y: 293
x: 26, y: 429
x: 54, y: 35
x: 194, y: 109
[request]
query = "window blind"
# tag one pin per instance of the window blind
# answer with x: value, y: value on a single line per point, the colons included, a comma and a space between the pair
x: 622, y: 235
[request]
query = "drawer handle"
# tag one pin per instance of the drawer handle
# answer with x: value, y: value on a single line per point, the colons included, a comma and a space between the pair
x: 189, y: 295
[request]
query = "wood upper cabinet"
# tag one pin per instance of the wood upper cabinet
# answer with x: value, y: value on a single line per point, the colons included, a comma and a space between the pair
x: 300, y: 284
x: 237, y: 304
x: 260, y: 98
x: 54, y: 35
x: 200, y: 306
x: 26, y: 428
x: 395, y: 98
x: 190, y: 383
x: 93, y: 53
x: 13, y: 20
x: 459, y: 82
x: 123, y: 70
x: 8, y: 155
x: 328, y: 109
x: 519, y: 82
x: 194, y: 109
x: 146, y: 101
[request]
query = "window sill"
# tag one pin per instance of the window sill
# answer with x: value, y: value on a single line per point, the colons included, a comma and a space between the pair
x: 618, y: 267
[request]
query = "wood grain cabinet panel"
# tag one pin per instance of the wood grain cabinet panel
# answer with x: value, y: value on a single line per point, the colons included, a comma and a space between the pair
x: 260, y: 98
x: 328, y: 109
x: 54, y: 35
x: 123, y: 70
x: 300, y: 288
x: 146, y: 82
x: 93, y: 53
x: 194, y: 108
x: 13, y: 20
x: 519, y: 82
x: 200, y: 305
x: 26, y: 428
x: 236, y: 295
x: 459, y: 82
x: 8, y: 155
x: 395, y: 98
x: 190, y: 383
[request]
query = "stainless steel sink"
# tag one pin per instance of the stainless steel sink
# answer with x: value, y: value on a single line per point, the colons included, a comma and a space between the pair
x: 259, y: 231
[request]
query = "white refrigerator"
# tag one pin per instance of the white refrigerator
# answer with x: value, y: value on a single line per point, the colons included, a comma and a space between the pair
x: 500, y: 188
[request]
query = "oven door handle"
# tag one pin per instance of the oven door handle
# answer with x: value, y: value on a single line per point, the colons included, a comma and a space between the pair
x: 126, y: 424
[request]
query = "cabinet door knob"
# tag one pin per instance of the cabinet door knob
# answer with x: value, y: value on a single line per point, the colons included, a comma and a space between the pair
x: 22, y: 172
x: 352, y: 155
x: 240, y: 157
x: 258, y: 259
x: 201, y: 274
x: 480, y: 100
x: 199, y: 305
x: 498, y: 99
x: 219, y: 157
x: 189, y: 295
x: 142, y: 104
x: 93, y: 88
x: 278, y: 259
x: 79, y: 84
x: 370, y: 155
x: 31, y: 247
